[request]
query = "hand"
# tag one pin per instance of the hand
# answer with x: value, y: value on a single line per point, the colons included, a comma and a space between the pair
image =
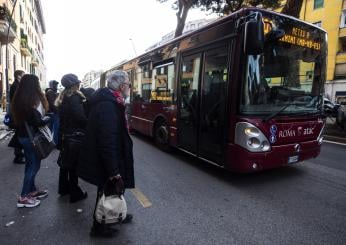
x: 116, y: 177
x: 46, y: 119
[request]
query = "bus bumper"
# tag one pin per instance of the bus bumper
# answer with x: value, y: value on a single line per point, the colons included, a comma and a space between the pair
x: 239, y: 159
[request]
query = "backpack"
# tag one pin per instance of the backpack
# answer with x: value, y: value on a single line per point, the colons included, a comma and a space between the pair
x: 8, y: 120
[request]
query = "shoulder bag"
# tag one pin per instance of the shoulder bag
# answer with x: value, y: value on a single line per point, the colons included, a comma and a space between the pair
x: 42, y: 141
x: 111, y: 208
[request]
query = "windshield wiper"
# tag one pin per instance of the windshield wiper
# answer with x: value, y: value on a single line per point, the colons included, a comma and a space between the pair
x: 275, y: 113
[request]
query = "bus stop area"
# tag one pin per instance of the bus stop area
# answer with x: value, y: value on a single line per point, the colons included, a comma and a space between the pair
x: 180, y: 200
x: 332, y: 131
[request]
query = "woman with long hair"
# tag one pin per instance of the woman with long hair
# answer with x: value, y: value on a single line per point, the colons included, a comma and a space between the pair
x: 73, y: 120
x: 29, y: 106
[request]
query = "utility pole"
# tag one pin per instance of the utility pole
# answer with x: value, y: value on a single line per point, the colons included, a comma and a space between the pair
x: 6, y: 58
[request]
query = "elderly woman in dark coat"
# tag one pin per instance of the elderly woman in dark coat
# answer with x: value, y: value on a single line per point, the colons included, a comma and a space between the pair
x: 107, y: 152
x: 73, y: 120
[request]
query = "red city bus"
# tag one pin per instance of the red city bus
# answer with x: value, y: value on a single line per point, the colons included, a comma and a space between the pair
x: 244, y: 92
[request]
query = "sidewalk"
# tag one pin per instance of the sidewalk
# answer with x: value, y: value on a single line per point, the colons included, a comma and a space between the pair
x: 334, y: 133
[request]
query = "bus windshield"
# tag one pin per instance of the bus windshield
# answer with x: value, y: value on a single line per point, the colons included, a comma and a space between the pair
x: 289, y: 76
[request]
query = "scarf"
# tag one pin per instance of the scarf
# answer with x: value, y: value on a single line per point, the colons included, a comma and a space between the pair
x: 120, y: 100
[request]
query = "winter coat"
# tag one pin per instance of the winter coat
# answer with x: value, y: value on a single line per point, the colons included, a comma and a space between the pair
x: 51, y: 97
x: 72, y: 120
x: 13, y: 89
x: 34, y: 121
x: 107, y: 149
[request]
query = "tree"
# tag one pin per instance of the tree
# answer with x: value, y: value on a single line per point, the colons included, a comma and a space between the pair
x: 182, y: 7
x: 221, y: 7
x: 292, y: 7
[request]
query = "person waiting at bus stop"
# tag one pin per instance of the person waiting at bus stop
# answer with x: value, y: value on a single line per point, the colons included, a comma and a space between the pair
x: 51, y: 95
x: 107, y: 151
x: 73, y: 120
x: 18, y: 149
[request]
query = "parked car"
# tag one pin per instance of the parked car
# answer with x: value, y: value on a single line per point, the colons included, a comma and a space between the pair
x: 341, y: 116
x: 330, y: 108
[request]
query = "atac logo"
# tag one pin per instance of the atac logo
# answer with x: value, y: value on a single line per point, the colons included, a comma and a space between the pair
x: 299, y: 131
x: 305, y: 131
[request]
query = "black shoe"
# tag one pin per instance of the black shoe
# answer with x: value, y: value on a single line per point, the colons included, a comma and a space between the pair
x: 63, y: 193
x: 101, y: 230
x: 128, y: 219
x: 19, y: 160
x: 79, y: 197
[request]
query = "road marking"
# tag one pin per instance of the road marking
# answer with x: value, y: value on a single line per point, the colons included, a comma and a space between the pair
x: 332, y: 142
x: 141, y: 198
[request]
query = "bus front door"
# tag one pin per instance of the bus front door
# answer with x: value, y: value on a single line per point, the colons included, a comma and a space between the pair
x: 213, y: 105
x: 202, y: 104
x: 188, y: 103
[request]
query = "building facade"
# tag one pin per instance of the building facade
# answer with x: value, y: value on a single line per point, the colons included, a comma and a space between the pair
x: 24, y: 42
x: 89, y: 78
x: 189, y: 27
x: 331, y: 16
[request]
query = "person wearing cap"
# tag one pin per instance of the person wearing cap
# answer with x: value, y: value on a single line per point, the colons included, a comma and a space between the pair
x: 107, y: 150
x: 72, y: 125
x: 51, y: 95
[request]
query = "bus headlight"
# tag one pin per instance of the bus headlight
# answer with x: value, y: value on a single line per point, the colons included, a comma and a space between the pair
x: 251, y: 138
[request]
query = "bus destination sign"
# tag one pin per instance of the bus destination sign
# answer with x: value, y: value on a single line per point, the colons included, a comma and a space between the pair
x: 301, y: 38
x: 296, y: 36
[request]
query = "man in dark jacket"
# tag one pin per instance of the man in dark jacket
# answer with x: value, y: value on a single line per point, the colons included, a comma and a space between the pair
x: 18, y: 149
x: 52, y: 94
x: 107, y: 152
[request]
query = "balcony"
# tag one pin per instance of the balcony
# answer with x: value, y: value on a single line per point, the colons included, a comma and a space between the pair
x: 342, y: 32
x: 24, y: 47
x: 340, y: 66
x: 35, y: 61
x: 5, y: 18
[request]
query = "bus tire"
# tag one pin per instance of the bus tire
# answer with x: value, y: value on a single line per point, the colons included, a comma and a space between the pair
x: 162, y: 136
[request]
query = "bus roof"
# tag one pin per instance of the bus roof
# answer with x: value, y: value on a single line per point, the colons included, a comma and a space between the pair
x: 223, y: 19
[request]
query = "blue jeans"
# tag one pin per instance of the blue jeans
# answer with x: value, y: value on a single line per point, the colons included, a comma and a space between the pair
x: 32, y: 165
x: 54, y: 127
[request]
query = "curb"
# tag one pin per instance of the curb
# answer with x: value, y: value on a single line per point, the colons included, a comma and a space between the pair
x: 335, y: 139
x: 3, y: 135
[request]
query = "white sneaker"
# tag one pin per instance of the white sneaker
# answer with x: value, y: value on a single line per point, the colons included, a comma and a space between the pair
x: 27, y: 202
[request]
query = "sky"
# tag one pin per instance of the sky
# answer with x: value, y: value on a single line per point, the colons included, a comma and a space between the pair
x: 85, y: 35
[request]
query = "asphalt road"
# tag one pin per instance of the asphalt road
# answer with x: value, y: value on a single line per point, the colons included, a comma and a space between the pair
x: 192, y: 203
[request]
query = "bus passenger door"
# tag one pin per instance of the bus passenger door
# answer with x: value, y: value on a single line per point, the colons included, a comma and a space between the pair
x: 188, y: 118
x: 213, y: 105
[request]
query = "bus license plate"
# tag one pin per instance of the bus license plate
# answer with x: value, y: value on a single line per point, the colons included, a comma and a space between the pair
x: 293, y: 159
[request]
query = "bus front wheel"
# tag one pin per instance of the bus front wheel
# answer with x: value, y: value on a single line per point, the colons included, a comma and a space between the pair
x: 162, y: 136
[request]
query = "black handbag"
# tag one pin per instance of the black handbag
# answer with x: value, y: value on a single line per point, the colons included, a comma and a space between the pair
x: 71, y: 145
x: 42, y: 141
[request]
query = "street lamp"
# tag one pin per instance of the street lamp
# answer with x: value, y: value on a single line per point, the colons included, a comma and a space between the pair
x: 6, y: 58
x: 133, y: 46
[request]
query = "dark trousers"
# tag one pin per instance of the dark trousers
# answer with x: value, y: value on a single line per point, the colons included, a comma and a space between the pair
x: 18, y: 152
x: 68, y: 182
x: 98, y: 196
x: 32, y: 166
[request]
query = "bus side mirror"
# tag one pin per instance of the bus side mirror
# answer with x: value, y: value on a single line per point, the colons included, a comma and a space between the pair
x: 254, y: 35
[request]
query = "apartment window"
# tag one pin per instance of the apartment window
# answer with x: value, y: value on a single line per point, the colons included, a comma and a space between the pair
x: 343, y: 19
x: 14, y: 63
x: 343, y: 46
x: 309, y: 76
x: 318, y: 4
x: 319, y: 23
